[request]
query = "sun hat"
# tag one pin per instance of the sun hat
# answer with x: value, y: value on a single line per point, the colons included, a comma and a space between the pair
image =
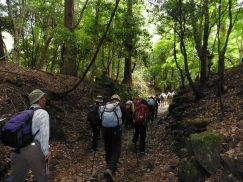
x: 99, y: 98
x: 129, y: 102
x: 35, y: 95
x: 115, y: 96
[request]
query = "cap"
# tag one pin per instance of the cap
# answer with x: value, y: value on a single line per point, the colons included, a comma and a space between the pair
x: 35, y: 95
x: 115, y: 96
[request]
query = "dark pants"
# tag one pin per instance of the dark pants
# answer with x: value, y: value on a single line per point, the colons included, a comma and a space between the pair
x: 30, y: 157
x: 112, y: 141
x: 140, y: 132
x: 96, y: 133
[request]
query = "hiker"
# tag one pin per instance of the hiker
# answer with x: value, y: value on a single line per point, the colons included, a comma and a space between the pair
x: 94, y: 120
x: 157, y: 101
x: 112, y: 116
x: 152, y: 107
x: 129, y: 114
x: 36, y: 155
x: 140, y: 117
x: 135, y: 102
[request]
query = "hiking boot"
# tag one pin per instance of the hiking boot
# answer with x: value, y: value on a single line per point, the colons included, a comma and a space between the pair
x: 108, y: 175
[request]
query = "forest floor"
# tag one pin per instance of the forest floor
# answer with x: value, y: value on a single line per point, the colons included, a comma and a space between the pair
x: 156, y: 165
x: 70, y: 134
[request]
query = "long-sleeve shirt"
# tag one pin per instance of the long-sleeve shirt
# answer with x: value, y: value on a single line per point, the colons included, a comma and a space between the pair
x: 41, y: 122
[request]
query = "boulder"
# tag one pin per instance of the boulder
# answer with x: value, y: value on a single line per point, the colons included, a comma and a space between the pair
x: 206, y: 147
x: 188, y: 172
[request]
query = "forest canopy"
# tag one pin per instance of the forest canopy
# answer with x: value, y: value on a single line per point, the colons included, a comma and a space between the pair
x: 115, y: 39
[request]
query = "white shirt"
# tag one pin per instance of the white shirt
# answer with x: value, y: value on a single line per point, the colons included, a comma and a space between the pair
x: 41, y: 122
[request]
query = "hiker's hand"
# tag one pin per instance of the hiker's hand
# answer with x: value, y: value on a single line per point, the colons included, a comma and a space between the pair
x: 48, y: 157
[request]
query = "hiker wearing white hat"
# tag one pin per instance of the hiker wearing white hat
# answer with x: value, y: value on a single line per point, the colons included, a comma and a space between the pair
x: 36, y: 155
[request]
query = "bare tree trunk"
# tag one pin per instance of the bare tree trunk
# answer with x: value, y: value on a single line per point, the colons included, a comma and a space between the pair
x: 69, y: 66
x: 128, y: 45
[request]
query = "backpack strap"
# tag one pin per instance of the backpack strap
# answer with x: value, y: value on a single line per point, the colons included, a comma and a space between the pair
x: 116, y: 114
x: 34, y: 109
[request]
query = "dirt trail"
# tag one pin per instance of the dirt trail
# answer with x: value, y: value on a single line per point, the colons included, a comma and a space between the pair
x: 73, y: 161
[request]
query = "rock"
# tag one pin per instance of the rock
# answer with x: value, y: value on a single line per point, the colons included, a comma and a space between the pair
x: 233, y: 164
x: 206, y: 147
x: 188, y: 171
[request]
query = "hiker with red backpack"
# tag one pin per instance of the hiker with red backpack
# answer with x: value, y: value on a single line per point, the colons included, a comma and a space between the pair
x: 36, y: 155
x: 112, y: 115
x: 140, y: 117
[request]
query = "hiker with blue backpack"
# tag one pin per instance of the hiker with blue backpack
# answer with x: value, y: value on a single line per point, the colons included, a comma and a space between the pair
x: 152, y: 107
x: 112, y: 116
x: 33, y: 153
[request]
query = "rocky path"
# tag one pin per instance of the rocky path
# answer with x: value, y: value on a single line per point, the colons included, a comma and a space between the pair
x: 73, y: 161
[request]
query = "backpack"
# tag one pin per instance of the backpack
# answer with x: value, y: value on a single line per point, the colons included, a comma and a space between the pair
x: 17, y: 132
x: 140, y: 114
x: 93, y: 116
x: 151, y: 102
x: 111, y: 115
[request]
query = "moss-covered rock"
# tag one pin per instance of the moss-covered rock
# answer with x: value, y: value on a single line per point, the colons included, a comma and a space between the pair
x: 206, y: 147
x: 187, y: 171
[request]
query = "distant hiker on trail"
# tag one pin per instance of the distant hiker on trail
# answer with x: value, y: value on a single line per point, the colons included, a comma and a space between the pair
x: 36, y: 155
x: 129, y: 114
x: 94, y: 120
x: 112, y: 115
x: 152, y: 107
x: 157, y: 101
x: 135, y: 102
x: 140, y: 116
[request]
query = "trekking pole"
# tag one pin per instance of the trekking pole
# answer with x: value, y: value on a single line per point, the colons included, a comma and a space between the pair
x: 93, y: 162
x: 136, y: 153
x: 128, y: 138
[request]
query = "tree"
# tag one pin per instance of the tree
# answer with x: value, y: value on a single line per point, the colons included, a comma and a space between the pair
x: 17, y: 17
x: 223, y: 38
x: 200, y: 25
x: 128, y: 43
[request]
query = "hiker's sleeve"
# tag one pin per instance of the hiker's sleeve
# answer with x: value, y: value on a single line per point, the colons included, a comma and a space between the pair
x: 44, y: 132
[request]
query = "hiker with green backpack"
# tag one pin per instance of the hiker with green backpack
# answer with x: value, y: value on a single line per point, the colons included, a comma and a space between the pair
x: 34, y: 154
x: 112, y: 116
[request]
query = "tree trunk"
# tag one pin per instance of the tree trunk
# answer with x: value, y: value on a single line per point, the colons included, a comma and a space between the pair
x: 221, y: 52
x: 69, y: 66
x: 2, y: 55
x: 127, y: 79
x: 95, y: 53
x: 175, y: 58
x: 184, y: 52
x: 17, y: 29
x: 201, y: 41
